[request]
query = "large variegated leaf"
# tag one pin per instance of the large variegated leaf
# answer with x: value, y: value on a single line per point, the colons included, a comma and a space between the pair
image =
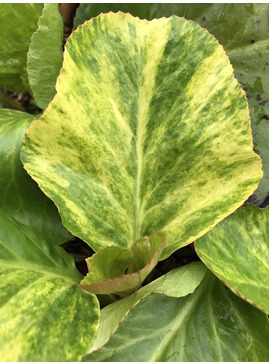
x: 177, y: 283
x: 148, y: 131
x: 46, y: 54
x: 237, y: 251
x: 44, y: 316
x: 108, y: 266
x: 17, y: 24
x: 211, y: 324
x: 243, y: 30
x: 20, y: 196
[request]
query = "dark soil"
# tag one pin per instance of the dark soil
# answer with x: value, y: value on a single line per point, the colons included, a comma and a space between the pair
x: 80, y: 251
x: 22, y: 102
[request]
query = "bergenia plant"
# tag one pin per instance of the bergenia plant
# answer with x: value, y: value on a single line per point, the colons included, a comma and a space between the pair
x: 135, y: 145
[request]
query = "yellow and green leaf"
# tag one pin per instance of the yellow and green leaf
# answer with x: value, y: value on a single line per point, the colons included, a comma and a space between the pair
x: 44, y: 316
x: 243, y: 30
x: 237, y: 251
x: 148, y: 131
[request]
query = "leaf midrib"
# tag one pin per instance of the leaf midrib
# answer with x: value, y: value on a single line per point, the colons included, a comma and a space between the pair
x: 144, y: 97
x: 46, y: 271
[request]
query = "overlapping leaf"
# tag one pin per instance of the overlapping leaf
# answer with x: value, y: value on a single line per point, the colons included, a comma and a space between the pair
x: 108, y: 266
x: 44, y: 316
x: 243, y: 30
x: 237, y: 251
x: 177, y: 283
x: 17, y: 24
x: 45, y: 55
x: 211, y: 324
x: 20, y: 196
x: 147, y: 116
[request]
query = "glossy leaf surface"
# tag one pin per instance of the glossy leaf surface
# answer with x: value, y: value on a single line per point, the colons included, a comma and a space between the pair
x: 211, y: 324
x: 243, y: 30
x: 44, y: 316
x: 177, y: 283
x: 108, y: 266
x: 237, y: 251
x: 17, y: 24
x: 143, y: 125
x: 46, y: 54
x: 20, y: 196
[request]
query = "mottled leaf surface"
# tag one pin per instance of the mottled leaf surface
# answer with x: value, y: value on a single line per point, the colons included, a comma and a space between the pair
x: 211, y: 324
x: 45, y: 55
x: 20, y: 196
x: 17, y: 24
x: 44, y: 316
x: 243, y: 30
x: 237, y: 251
x: 108, y: 266
x: 177, y: 283
x: 147, y: 115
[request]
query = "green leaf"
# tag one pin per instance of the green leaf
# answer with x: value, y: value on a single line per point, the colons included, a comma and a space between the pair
x: 244, y: 35
x: 177, y: 283
x: 211, y: 324
x: 143, y: 11
x: 44, y: 316
x: 20, y: 196
x: 17, y: 24
x: 46, y: 54
x: 249, y: 56
x: 147, y: 115
x: 237, y: 251
x: 108, y: 266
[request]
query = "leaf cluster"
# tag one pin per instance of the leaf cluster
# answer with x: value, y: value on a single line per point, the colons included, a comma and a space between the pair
x: 137, y: 139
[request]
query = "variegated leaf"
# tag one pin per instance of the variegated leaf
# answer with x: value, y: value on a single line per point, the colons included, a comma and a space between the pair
x: 44, y: 316
x: 148, y: 131
x: 237, y: 251
x: 243, y: 30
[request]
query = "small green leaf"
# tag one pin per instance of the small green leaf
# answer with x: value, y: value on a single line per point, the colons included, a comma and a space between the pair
x: 108, y: 263
x: 44, y: 316
x: 20, y: 196
x: 45, y: 55
x: 108, y: 266
x: 147, y: 115
x: 177, y: 283
x: 237, y: 251
x: 17, y: 24
x: 211, y: 324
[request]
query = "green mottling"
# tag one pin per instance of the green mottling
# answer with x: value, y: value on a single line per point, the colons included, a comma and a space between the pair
x: 152, y: 141
x: 44, y: 315
x: 240, y: 246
